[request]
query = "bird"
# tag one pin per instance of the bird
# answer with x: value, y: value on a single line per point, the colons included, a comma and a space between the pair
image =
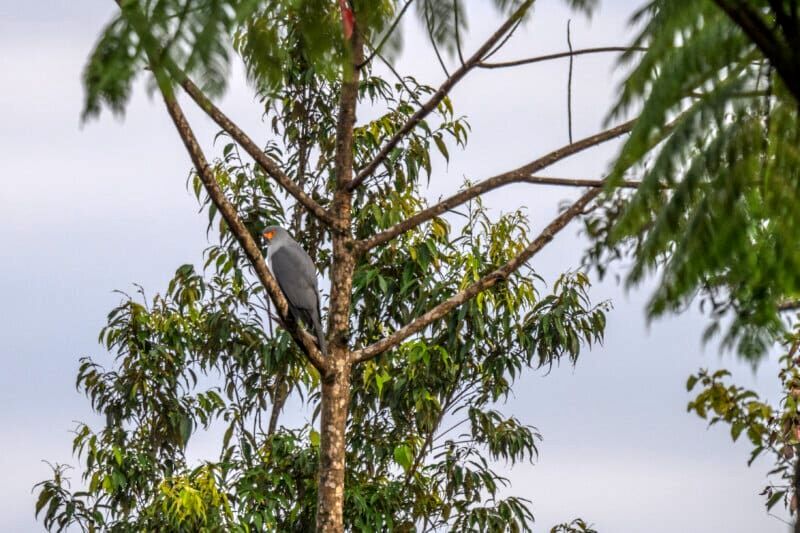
x: 296, y: 275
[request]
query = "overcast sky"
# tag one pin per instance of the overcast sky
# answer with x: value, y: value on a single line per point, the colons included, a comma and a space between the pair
x: 95, y: 208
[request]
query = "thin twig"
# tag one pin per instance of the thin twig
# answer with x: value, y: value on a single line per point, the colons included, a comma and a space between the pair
x: 504, y: 41
x: 560, y: 55
x: 433, y: 39
x: 569, y: 83
x: 386, y: 36
x: 458, y: 36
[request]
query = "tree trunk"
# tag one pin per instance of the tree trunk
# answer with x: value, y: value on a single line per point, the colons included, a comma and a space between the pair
x: 336, y: 381
x: 335, y: 399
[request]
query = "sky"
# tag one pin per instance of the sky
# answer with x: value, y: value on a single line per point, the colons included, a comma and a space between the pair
x: 89, y: 209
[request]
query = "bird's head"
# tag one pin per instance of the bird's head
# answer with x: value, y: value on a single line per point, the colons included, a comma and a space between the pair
x: 272, y: 233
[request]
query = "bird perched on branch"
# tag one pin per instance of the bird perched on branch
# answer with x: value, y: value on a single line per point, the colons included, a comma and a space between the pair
x: 296, y: 275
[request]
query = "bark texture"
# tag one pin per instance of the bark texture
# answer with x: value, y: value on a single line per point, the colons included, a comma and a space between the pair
x: 333, y: 423
x: 336, y: 387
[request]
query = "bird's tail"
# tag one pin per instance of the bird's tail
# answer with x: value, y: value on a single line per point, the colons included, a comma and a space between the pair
x: 323, y: 347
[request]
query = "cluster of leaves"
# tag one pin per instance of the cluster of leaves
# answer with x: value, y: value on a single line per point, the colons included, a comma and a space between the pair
x: 771, y: 429
x: 715, y: 146
x: 425, y: 426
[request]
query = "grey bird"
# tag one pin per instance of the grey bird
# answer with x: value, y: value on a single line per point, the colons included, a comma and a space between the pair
x: 296, y: 275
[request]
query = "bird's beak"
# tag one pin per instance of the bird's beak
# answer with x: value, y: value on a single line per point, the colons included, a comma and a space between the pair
x: 268, y: 235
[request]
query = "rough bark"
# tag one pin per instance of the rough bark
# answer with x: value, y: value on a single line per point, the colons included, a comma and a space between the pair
x: 333, y: 423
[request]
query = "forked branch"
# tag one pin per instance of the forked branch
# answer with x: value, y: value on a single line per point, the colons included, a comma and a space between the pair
x: 479, y: 286
x: 263, y: 160
x: 161, y: 65
x: 438, y: 96
x: 237, y: 227
x: 522, y: 174
x: 226, y: 209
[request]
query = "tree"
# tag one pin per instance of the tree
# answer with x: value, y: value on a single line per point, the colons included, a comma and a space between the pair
x: 715, y: 145
x: 430, y: 319
x: 716, y: 213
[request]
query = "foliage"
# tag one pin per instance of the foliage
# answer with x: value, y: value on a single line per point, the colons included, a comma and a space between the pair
x: 576, y: 526
x: 771, y: 429
x: 715, y: 146
x: 196, y: 37
x: 426, y: 429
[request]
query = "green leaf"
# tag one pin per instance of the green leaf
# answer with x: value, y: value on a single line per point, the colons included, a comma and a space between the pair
x: 403, y: 456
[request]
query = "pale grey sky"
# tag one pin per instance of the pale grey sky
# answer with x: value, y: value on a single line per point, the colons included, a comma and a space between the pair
x: 92, y: 209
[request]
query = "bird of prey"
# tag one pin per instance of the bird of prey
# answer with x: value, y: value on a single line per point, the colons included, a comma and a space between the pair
x: 296, y: 275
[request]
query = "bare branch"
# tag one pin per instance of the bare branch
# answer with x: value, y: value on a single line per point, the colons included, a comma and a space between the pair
x: 560, y: 55
x: 264, y: 161
x: 386, y: 36
x: 246, y: 241
x: 479, y: 286
x: 429, y: 27
x: 569, y: 83
x: 458, y: 37
x: 520, y: 175
x: 438, y: 96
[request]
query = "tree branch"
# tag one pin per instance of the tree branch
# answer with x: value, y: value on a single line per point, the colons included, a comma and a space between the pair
x: 569, y: 83
x: 246, y: 241
x: 161, y: 63
x: 438, y: 96
x: 754, y: 26
x: 560, y: 55
x: 375, y: 50
x: 788, y: 305
x: 520, y: 175
x: 263, y: 160
x: 479, y: 286
x: 204, y: 171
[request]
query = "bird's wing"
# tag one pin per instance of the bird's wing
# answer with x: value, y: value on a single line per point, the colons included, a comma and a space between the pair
x: 295, y: 273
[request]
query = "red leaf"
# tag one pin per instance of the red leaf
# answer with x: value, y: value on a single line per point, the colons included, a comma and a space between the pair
x: 348, y: 20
